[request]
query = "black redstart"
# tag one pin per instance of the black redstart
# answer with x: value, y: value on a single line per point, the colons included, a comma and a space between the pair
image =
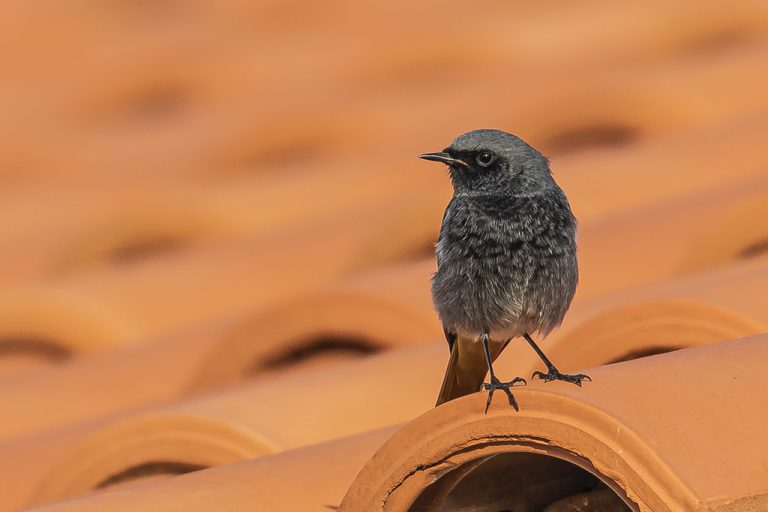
x: 506, y: 258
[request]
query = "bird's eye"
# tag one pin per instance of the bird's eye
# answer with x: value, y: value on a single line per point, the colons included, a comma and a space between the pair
x: 485, y: 159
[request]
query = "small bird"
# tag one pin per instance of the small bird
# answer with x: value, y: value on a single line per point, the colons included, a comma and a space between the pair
x: 506, y: 259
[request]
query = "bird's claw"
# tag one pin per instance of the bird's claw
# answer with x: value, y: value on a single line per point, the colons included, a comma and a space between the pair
x: 556, y: 375
x: 504, y: 386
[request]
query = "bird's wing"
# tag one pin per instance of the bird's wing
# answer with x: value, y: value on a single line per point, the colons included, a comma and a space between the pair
x: 450, y: 337
x: 447, y: 208
x: 442, y: 227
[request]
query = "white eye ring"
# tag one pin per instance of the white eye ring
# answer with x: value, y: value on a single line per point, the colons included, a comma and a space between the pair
x: 485, y: 159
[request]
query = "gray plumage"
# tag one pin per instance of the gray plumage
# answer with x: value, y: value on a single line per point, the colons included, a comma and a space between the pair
x: 507, y: 248
x: 506, y: 253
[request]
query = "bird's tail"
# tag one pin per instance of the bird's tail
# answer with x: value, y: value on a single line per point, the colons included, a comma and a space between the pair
x: 466, y: 369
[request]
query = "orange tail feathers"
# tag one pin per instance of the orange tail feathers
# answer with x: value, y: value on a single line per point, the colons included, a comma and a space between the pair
x: 466, y: 369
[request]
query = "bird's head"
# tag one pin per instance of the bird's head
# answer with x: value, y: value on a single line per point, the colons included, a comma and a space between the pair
x: 493, y: 161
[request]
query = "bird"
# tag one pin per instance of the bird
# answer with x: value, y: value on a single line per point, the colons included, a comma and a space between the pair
x: 507, y: 264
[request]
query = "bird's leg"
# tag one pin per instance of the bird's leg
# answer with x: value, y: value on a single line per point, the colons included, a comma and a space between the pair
x: 552, y: 372
x: 495, y: 382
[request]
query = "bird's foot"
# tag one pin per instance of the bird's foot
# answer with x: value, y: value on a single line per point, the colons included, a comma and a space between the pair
x: 504, y: 386
x: 554, y: 374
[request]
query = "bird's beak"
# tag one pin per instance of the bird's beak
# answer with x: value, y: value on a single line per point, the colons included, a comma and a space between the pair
x: 442, y: 157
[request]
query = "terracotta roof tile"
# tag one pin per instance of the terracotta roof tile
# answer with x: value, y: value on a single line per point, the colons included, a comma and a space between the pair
x: 187, y: 89
x: 362, y: 315
x: 227, y: 427
x: 661, y: 169
x: 676, y: 238
x: 97, y: 226
x: 655, y: 443
x: 105, y: 383
x: 703, y: 308
x: 219, y: 428
x: 205, y: 226
x: 353, y: 317
x: 113, y: 307
x: 665, y: 473
x: 325, y: 470
x: 100, y: 310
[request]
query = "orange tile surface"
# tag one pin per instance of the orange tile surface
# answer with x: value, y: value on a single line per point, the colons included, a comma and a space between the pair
x: 348, y: 319
x: 327, y: 469
x: 224, y: 427
x: 676, y: 238
x: 112, y: 307
x: 178, y: 110
x: 658, y: 453
x: 217, y: 244
x: 94, y: 227
x: 663, y: 169
x: 703, y: 308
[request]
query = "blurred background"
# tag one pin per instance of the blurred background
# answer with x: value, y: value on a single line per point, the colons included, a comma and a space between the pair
x: 218, y: 192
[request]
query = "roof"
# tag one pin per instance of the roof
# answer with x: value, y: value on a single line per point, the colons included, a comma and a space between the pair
x: 218, y: 243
